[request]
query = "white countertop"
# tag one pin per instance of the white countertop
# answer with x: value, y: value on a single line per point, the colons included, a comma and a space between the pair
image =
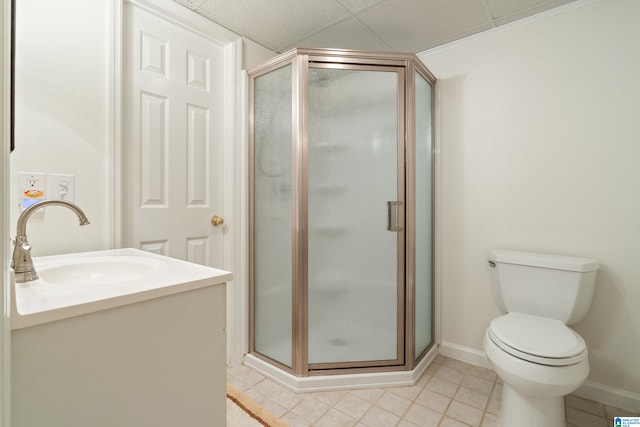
x: 102, y: 280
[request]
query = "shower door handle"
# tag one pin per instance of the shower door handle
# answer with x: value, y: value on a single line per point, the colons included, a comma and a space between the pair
x: 393, y: 216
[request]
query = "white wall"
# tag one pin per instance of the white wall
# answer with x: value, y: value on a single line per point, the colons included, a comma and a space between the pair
x: 62, y: 84
x: 254, y: 54
x: 540, y: 150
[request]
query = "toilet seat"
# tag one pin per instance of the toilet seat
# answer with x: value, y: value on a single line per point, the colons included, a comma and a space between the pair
x: 537, y: 339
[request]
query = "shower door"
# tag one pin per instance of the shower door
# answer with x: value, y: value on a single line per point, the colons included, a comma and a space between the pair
x: 355, y: 216
x: 340, y: 213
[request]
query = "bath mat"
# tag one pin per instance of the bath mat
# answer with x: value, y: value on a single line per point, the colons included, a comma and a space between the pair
x: 255, y: 411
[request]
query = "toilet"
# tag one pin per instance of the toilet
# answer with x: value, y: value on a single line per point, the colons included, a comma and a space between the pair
x: 531, y: 348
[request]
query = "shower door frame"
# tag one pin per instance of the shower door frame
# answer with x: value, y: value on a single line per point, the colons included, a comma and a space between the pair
x: 413, y: 68
x: 301, y: 60
x: 321, y: 368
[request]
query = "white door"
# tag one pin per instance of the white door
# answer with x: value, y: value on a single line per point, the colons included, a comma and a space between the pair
x: 172, y: 140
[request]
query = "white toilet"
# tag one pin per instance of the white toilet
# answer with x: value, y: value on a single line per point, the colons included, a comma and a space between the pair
x: 538, y: 358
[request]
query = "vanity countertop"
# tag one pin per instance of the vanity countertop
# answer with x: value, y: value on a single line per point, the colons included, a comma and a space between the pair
x: 75, y: 284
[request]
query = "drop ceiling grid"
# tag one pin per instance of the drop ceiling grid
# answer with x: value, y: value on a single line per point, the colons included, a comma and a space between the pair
x: 393, y: 25
x: 505, y: 11
x: 408, y: 25
x: 346, y: 34
x: 355, y: 6
x: 275, y: 23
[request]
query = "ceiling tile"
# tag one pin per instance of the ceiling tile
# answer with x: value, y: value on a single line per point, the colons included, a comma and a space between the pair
x: 357, y: 5
x: 504, y: 11
x: 397, y: 25
x: 191, y: 4
x: 410, y: 25
x: 275, y: 23
x: 347, y: 34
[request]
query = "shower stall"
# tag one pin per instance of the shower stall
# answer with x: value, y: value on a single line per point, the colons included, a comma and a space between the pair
x: 340, y: 213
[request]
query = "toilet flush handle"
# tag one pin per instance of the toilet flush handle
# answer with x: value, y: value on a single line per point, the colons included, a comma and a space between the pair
x: 492, y: 264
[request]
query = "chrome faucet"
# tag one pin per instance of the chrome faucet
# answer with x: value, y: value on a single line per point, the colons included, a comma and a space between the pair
x: 21, y: 262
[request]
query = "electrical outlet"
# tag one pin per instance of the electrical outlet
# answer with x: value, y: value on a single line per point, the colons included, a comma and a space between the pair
x: 31, y: 188
x: 61, y: 187
x: 31, y: 180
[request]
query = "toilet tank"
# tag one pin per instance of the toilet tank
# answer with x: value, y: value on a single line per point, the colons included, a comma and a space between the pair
x: 554, y: 286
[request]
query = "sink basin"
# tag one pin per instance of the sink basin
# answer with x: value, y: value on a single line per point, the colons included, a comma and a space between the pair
x: 74, y: 284
x: 99, y: 270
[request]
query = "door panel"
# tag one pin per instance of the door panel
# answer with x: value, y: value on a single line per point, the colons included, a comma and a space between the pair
x: 173, y: 137
x: 355, y: 216
x: 423, y: 216
x: 271, y: 232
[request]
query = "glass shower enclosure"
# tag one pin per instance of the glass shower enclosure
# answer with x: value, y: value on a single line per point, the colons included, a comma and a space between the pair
x: 341, y: 211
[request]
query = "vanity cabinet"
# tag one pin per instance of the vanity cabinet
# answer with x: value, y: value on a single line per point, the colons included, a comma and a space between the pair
x: 157, y: 362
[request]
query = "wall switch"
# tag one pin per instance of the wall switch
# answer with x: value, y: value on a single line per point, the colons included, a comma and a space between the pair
x: 61, y: 187
x: 31, y: 188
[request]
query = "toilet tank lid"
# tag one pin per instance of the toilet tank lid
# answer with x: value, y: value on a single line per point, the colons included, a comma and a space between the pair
x: 534, y: 259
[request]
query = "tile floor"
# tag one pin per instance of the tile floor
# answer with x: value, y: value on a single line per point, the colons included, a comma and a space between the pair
x: 450, y: 394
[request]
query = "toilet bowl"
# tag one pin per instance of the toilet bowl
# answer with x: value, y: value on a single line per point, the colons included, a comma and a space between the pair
x: 538, y: 357
x: 539, y: 361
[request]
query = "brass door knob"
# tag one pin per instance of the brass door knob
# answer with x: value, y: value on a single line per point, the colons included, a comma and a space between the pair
x: 217, y: 220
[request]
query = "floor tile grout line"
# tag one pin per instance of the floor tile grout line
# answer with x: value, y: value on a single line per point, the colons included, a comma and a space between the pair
x: 486, y: 406
x: 444, y: 414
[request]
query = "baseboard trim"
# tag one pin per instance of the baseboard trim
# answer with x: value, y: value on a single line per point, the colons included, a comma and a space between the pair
x: 591, y: 390
x: 464, y: 354
x: 610, y: 396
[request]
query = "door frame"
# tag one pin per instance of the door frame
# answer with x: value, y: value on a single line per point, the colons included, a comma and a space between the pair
x: 5, y: 291
x: 233, y: 146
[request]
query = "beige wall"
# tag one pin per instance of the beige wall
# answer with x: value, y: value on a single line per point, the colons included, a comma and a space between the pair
x: 540, y: 150
x: 62, y: 72
x: 254, y: 54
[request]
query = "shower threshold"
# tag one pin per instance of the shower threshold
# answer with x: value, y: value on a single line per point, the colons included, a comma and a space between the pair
x: 341, y: 381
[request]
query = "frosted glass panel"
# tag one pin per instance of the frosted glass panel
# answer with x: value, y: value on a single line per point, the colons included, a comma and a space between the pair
x: 352, y: 173
x: 423, y: 281
x: 272, y: 214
